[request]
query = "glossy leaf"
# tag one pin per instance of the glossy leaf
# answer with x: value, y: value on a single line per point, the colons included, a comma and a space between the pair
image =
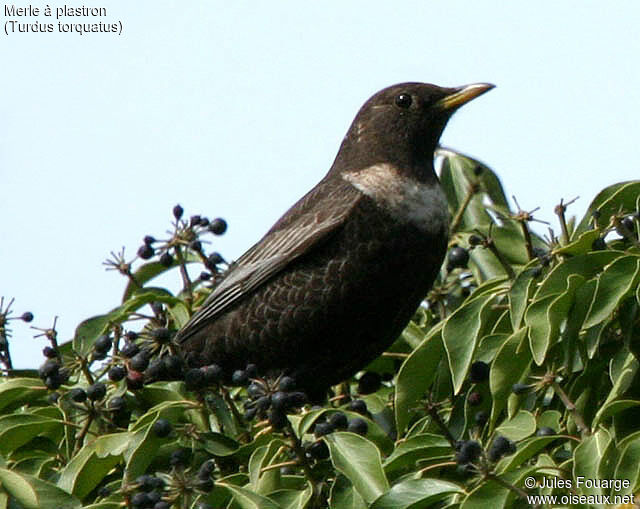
x: 520, y: 426
x: 461, y: 333
x: 87, y: 468
x: 610, y: 201
x: 417, y: 448
x: 344, y: 495
x: 34, y: 493
x: 617, y: 281
x: 510, y: 364
x: 247, y: 499
x: 358, y: 460
x: 416, y: 493
x: 587, y: 457
x: 415, y: 377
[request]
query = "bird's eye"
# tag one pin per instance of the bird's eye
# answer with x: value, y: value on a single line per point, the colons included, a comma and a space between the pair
x: 403, y: 100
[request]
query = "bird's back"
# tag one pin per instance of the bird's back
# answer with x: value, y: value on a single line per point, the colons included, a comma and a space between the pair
x: 333, y: 310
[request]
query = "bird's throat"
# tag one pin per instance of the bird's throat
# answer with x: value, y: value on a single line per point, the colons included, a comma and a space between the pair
x: 404, y: 198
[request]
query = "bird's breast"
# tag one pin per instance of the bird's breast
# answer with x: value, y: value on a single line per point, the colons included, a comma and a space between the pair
x: 406, y: 200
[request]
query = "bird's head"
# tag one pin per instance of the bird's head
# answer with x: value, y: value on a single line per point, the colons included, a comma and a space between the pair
x: 401, y: 125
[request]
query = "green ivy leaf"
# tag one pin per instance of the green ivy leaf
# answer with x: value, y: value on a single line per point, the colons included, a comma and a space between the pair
x: 461, y: 333
x: 86, y: 469
x: 521, y: 292
x: 526, y: 450
x: 20, y: 391
x: 615, y: 283
x: 422, y: 447
x: 610, y: 201
x: 19, y: 429
x: 546, y: 316
x: 519, y: 427
x: 587, y: 457
x: 415, y: 377
x: 264, y: 482
x: 510, y: 364
x: 358, y: 460
x: 344, y: 496
x: 292, y: 499
x: 247, y: 499
x: 628, y: 465
x: 34, y: 493
x: 612, y: 408
x: 416, y: 493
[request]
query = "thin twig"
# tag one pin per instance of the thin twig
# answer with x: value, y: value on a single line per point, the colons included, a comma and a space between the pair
x: 577, y: 416
x: 457, y: 219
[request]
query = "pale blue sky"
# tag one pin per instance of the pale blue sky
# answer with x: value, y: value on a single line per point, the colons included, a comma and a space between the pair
x: 235, y: 109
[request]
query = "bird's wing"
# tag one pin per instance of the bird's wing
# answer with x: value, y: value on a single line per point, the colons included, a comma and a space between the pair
x: 304, y: 226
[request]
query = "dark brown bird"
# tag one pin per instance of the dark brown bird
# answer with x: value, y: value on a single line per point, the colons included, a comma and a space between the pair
x: 333, y: 283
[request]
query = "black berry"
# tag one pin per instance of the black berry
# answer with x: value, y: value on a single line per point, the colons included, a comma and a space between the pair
x: 239, y: 378
x: 322, y: 428
x: 369, y: 383
x: 358, y: 406
x: 145, y: 252
x: 178, y: 211
x: 318, y: 450
x: 212, y: 374
x: 78, y: 395
x: 49, y: 352
x: 129, y: 349
x: 287, y: 384
x: 499, y: 447
x: 475, y: 240
x: 103, y: 343
x: 206, y: 469
x: 156, y: 370
x: 53, y: 382
x: 279, y: 400
x: 479, y: 372
x: 358, y: 426
x: 162, y: 428
x: 469, y: 452
x: 141, y: 500
x: 458, y: 258
x: 96, y: 391
x: 51, y: 367
x: 179, y: 457
x: 339, y: 421
x: 140, y: 361
x: 27, y: 316
x: 277, y: 419
x: 116, y: 404
x: 218, y: 226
